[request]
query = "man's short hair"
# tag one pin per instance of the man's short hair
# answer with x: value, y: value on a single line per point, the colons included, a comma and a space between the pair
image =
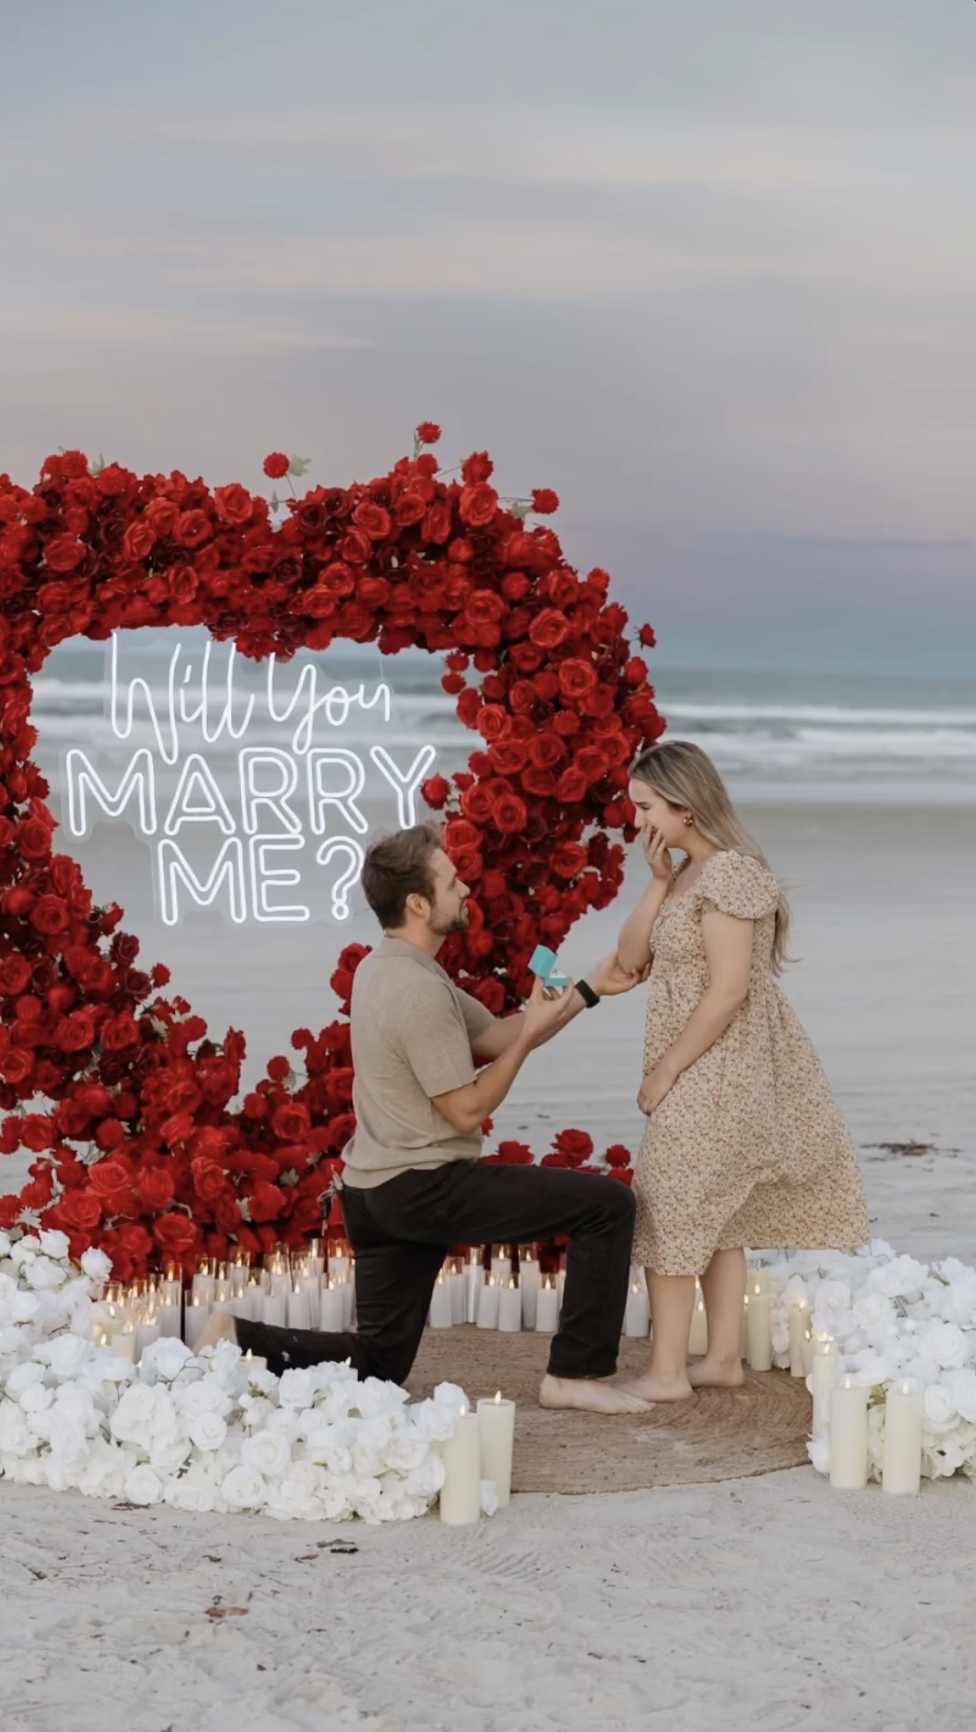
x: 399, y: 866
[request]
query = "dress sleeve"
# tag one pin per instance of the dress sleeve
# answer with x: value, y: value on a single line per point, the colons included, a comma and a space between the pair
x: 736, y: 884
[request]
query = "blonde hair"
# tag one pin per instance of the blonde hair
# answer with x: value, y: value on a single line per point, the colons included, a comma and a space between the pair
x: 687, y: 779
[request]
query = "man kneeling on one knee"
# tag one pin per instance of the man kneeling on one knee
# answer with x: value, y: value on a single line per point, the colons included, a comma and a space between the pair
x: 431, y: 1065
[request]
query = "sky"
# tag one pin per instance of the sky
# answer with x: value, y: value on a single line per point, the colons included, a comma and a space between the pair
x: 707, y: 269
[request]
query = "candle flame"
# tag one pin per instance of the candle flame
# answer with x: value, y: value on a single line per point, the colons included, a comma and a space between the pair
x: 462, y: 1410
x: 498, y: 1393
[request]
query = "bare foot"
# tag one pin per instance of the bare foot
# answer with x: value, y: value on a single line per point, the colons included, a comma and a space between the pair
x: 588, y: 1395
x: 716, y: 1374
x: 652, y: 1388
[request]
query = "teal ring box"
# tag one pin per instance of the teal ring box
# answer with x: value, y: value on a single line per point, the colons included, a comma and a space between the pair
x: 544, y: 963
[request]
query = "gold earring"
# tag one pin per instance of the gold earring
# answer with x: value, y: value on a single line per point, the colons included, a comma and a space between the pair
x: 688, y: 820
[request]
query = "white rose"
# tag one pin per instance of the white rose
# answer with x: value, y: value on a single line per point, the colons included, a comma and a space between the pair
x: 16, y: 1436
x: 24, y: 1249
x: 167, y: 1455
x: 328, y: 1453
x: 946, y: 1344
x: 36, y: 1398
x: 67, y: 1438
x: 207, y: 1431
x: 196, y: 1494
x: 295, y: 1498
x: 66, y: 1355
x: 267, y: 1454
x: 42, y: 1273
x: 405, y: 1452
x: 144, y: 1485
x: 22, y: 1376
x: 106, y: 1469
x: 489, y: 1498
x: 55, y: 1244
x: 242, y: 1488
x: 375, y: 1398
x: 832, y: 1297
x: 164, y: 1359
x: 961, y: 1388
x: 435, y: 1419
x: 899, y: 1279
x: 426, y: 1480
x: 24, y: 1307
x: 938, y: 1409
x: 135, y: 1413
x: 206, y: 1396
x: 818, y: 1449
x: 296, y: 1389
x: 872, y: 1310
x: 96, y: 1264
x: 74, y: 1399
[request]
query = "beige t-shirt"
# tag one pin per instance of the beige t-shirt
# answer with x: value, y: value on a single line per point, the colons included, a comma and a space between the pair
x: 412, y: 1031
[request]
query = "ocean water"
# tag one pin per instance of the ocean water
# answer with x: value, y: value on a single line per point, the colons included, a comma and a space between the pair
x: 775, y: 736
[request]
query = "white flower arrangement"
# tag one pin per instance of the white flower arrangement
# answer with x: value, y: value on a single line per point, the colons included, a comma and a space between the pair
x: 891, y: 1318
x: 201, y: 1432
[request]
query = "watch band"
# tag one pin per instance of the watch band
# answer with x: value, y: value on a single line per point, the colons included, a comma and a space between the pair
x: 590, y: 998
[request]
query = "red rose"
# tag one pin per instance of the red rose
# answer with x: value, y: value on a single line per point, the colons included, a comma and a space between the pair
x: 209, y: 1180
x: 478, y: 505
x: 34, y: 839
x: 291, y: 1122
x: 544, y: 501
x: 119, y: 1032
x: 192, y: 529
x: 156, y: 1188
x: 15, y: 972
x: 266, y: 1201
x: 372, y: 519
x: 80, y: 1209
x: 16, y: 1065
x: 493, y: 722
x: 233, y: 503
x: 409, y: 508
x: 507, y: 756
x: 175, y: 1234
x: 276, y: 465
x: 571, y: 787
x: 546, y: 750
x: 567, y: 860
x: 435, y: 791
x: 467, y: 864
x: 477, y: 804
x: 549, y: 628
x: 618, y: 1156
x: 509, y: 814
x: 576, y: 677
x: 75, y: 1032
x: 591, y: 763
x: 107, y: 1177
x: 428, y: 433
x: 646, y: 637
x: 64, y: 553
x: 635, y: 671
x: 478, y: 467
x: 178, y: 1128
x: 139, y: 540
x: 624, y: 1174
x: 577, y: 1146
x: 49, y: 915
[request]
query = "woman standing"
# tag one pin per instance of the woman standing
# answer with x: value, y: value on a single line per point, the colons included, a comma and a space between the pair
x: 744, y: 1145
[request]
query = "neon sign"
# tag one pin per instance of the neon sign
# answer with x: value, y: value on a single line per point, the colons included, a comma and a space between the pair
x: 251, y: 801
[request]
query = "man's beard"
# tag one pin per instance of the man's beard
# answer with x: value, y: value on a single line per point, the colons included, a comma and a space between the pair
x: 441, y: 927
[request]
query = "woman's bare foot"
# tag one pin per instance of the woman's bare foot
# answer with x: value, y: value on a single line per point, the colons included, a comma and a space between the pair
x: 716, y: 1374
x: 588, y: 1395
x: 653, y: 1387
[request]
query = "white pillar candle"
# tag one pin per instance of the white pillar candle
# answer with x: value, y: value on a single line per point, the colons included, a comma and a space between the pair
x: 279, y: 1283
x: 195, y: 1321
x: 146, y: 1334
x: 848, y: 1436
x: 759, y: 1337
x: 637, y: 1315
x: 253, y: 1362
x: 331, y: 1310
x: 901, y: 1461
x: 745, y: 1328
x: 203, y: 1286
x: 338, y: 1265
x: 824, y: 1377
x: 510, y: 1307
x: 441, y: 1308
x: 455, y: 1286
x: 757, y: 1281
x: 473, y: 1283
x: 501, y: 1263
x: 460, y: 1499
x: 299, y: 1312
x: 488, y: 1304
x: 528, y: 1287
x: 123, y: 1344
x: 698, y: 1334
x: 799, y: 1323
x: 170, y: 1318
x: 348, y: 1291
x: 496, y: 1430
x: 255, y: 1299
x: 808, y: 1352
x: 276, y: 1309
x: 547, y: 1307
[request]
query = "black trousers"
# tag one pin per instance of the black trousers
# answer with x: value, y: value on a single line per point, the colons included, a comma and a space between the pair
x: 401, y: 1232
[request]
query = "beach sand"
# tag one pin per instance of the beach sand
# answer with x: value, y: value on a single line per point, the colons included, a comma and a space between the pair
x: 773, y: 1604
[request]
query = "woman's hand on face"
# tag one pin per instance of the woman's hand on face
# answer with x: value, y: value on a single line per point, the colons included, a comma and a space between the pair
x: 657, y: 1084
x: 657, y: 855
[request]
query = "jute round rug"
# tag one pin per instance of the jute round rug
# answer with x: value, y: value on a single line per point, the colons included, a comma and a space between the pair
x: 718, y: 1434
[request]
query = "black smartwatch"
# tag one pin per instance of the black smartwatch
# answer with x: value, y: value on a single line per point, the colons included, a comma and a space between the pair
x: 590, y: 998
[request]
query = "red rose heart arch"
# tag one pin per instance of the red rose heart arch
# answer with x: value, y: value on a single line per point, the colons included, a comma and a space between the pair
x: 140, y: 1150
